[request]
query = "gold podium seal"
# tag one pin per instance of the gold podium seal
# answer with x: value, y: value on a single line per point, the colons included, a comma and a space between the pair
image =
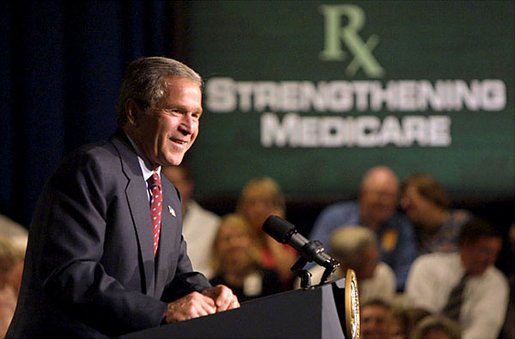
x: 352, y: 318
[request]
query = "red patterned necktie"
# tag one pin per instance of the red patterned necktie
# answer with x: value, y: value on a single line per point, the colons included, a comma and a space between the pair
x: 156, y: 202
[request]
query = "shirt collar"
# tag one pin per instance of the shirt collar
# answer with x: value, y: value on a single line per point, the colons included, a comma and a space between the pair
x: 146, y: 169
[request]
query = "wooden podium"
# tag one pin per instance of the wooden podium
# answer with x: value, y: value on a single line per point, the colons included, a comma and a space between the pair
x: 329, y: 311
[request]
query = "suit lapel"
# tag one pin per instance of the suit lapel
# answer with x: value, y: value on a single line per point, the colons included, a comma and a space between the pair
x: 138, y: 207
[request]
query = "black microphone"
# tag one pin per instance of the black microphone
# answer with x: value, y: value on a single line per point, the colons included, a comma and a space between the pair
x: 286, y: 233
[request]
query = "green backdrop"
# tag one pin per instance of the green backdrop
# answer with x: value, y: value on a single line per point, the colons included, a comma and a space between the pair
x: 299, y: 73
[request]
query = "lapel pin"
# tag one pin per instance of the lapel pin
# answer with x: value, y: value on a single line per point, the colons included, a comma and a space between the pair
x: 171, y: 210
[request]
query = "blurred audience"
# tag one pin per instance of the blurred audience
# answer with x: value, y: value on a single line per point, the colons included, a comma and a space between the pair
x: 436, y: 327
x: 236, y: 261
x: 508, y: 330
x: 464, y: 286
x: 375, y: 209
x: 426, y: 204
x: 356, y: 248
x: 375, y: 319
x: 13, y: 231
x: 12, y: 255
x: 404, y: 320
x: 260, y: 198
x: 199, y: 225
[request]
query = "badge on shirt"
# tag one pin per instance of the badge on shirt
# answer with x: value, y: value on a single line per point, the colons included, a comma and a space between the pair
x: 389, y: 239
x: 171, y: 210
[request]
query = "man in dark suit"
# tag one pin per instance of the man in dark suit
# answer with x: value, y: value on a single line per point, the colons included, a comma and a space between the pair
x: 94, y: 267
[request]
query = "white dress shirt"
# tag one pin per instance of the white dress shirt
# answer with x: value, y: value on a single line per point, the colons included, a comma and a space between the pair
x: 433, y: 276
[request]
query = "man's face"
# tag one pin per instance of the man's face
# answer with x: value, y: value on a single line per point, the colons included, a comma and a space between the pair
x: 480, y: 255
x: 166, y: 131
x: 378, y: 200
x: 375, y: 322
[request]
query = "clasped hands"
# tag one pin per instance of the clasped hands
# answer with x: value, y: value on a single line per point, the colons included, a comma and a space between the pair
x: 196, y: 304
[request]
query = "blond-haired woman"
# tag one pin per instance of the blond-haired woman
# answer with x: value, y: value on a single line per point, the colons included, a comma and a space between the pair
x: 236, y: 261
x: 260, y: 198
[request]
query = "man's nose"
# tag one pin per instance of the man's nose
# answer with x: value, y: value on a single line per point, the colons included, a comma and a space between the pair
x: 187, y: 124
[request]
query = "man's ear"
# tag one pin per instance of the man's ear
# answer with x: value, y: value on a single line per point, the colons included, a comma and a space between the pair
x: 132, y: 109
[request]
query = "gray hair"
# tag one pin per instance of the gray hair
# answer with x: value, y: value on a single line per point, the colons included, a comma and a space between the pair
x: 143, y: 82
x: 348, y: 242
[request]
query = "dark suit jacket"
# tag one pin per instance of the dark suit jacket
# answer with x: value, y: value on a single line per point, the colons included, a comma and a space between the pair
x: 90, y: 269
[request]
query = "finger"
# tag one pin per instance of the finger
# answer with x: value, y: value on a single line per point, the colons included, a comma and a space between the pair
x: 191, y: 306
x: 230, y: 302
x: 224, y: 298
x: 208, y: 306
x: 234, y: 304
x: 202, y: 305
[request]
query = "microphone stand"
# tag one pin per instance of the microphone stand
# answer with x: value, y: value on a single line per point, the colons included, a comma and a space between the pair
x: 329, y: 270
x: 299, y: 269
x: 302, y: 273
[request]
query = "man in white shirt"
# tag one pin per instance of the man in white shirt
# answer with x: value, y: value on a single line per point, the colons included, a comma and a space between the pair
x: 485, y: 296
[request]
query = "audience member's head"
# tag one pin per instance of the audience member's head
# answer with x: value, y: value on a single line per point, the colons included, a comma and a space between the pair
x: 399, y: 324
x: 233, y: 249
x: 404, y: 320
x: 260, y: 198
x: 11, y: 265
x: 11, y: 229
x: 480, y: 244
x: 375, y: 319
x: 423, y: 199
x: 379, y: 196
x: 355, y: 247
x: 180, y: 177
x: 436, y: 327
